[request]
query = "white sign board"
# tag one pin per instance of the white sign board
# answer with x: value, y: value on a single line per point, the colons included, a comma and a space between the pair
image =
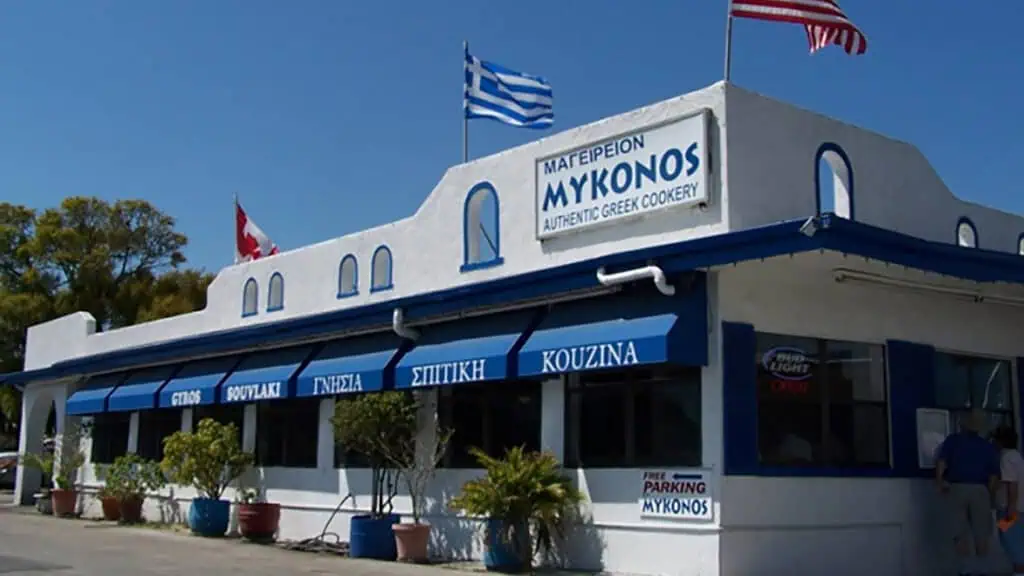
x: 933, y: 426
x: 630, y: 175
x: 677, y: 495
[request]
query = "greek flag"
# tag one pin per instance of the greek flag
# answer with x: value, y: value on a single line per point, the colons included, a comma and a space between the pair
x: 493, y: 91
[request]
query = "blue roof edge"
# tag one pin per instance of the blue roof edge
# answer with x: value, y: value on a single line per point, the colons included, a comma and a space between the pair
x: 826, y: 232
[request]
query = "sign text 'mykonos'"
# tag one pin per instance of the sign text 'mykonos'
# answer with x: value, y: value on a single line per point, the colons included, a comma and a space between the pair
x: 630, y: 175
x: 253, y: 392
x: 589, y: 357
x: 449, y: 372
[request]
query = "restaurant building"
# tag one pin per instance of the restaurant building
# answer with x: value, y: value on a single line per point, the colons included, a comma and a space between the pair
x: 740, y: 325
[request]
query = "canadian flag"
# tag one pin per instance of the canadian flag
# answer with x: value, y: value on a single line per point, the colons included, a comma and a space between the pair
x: 251, y: 243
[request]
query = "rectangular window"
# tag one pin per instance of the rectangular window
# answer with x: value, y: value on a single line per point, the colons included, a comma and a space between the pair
x: 821, y: 402
x: 221, y: 413
x: 154, y: 426
x: 966, y: 382
x: 635, y: 418
x: 492, y: 416
x: 287, y: 432
x: 110, y: 436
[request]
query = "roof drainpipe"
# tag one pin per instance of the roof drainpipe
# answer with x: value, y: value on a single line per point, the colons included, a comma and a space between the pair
x: 398, y: 325
x: 652, y: 272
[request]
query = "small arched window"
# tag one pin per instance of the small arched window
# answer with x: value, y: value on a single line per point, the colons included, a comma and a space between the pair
x: 348, y: 277
x: 382, y: 270
x: 275, y: 293
x: 833, y: 181
x: 966, y: 233
x: 250, y: 298
x: 1020, y: 245
x: 481, y: 241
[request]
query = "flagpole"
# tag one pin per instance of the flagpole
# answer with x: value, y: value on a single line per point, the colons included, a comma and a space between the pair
x: 728, y: 39
x: 465, y: 104
x: 234, y: 220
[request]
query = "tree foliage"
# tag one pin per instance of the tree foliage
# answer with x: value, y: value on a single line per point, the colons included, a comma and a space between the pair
x: 209, y: 459
x: 122, y: 262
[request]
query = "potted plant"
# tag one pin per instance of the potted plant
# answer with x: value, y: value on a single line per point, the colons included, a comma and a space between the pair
x: 62, y: 467
x: 416, y: 467
x: 44, y: 464
x: 108, y: 500
x: 209, y: 460
x: 373, y: 425
x: 257, y: 518
x: 129, y: 478
x: 526, y: 499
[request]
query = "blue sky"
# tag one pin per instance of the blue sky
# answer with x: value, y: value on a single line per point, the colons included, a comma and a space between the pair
x: 330, y: 116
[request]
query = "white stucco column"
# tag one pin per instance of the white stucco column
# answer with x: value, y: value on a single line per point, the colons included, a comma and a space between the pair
x: 552, y: 423
x: 133, y: 434
x: 325, y: 436
x: 249, y: 429
x: 186, y: 419
x: 426, y: 423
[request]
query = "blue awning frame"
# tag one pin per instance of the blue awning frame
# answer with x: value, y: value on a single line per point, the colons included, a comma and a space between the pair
x: 639, y: 327
x: 267, y: 374
x: 92, y: 397
x: 830, y: 233
x: 353, y: 365
x: 197, y: 383
x: 478, y: 349
x: 139, y: 391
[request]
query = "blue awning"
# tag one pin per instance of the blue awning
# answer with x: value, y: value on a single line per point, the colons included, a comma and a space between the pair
x: 352, y: 365
x: 265, y: 375
x: 471, y: 350
x: 196, y: 384
x: 139, y: 391
x: 629, y: 329
x: 92, y: 397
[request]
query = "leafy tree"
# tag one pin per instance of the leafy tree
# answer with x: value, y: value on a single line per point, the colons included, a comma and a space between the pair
x: 121, y: 262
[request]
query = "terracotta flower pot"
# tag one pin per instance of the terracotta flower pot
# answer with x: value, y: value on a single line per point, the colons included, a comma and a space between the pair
x: 258, y: 520
x: 64, y: 502
x: 111, y: 510
x: 411, y: 541
x: 131, y: 509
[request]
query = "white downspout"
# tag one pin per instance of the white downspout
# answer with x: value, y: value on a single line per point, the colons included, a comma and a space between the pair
x: 398, y: 325
x: 652, y: 272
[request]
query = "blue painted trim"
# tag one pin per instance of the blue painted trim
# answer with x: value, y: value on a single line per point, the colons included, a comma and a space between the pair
x: 467, y: 266
x: 1019, y: 417
x: 837, y: 234
x: 833, y: 147
x: 739, y: 399
x: 373, y: 270
x: 256, y: 291
x: 956, y: 231
x: 270, y: 292
x: 911, y: 383
x: 355, y: 277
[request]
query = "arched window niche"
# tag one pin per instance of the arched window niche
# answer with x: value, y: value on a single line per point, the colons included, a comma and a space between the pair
x: 833, y: 181
x: 381, y: 270
x: 250, y: 298
x: 275, y: 293
x: 1020, y: 245
x: 348, y: 277
x: 966, y: 233
x: 481, y: 227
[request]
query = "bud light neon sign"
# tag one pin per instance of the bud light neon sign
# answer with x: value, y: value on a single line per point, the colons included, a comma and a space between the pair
x: 787, y: 363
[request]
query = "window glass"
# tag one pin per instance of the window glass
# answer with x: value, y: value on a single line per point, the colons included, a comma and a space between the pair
x: 821, y: 403
x: 492, y: 416
x: 287, y: 433
x: 646, y: 417
x: 221, y: 413
x: 154, y: 426
x: 965, y: 382
x: 109, y: 436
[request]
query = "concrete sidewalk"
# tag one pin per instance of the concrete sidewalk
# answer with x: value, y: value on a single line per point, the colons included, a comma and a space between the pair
x: 36, y: 545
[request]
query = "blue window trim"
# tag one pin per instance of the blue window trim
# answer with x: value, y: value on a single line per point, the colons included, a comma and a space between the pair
x: 956, y: 231
x: 1020, y: 239
x: 256, y: 292
x: 373, y: 270
x: 342, y: 293
x: 270, y: 292
x: 467, y: 266
x: 833, y: 147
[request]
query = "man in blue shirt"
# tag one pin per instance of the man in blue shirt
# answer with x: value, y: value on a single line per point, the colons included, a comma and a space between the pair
x: 967, y: 475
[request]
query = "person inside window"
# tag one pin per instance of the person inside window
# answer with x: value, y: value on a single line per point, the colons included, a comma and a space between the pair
x: 1011, y: 525
x: 967, y: 476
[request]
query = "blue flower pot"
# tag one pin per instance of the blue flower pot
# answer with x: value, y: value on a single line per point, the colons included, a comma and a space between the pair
x: 208, y: 517
x: 501, y: 555
x: 372, y: 537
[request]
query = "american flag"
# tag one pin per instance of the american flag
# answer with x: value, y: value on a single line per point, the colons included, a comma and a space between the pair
x: 823, y: 20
